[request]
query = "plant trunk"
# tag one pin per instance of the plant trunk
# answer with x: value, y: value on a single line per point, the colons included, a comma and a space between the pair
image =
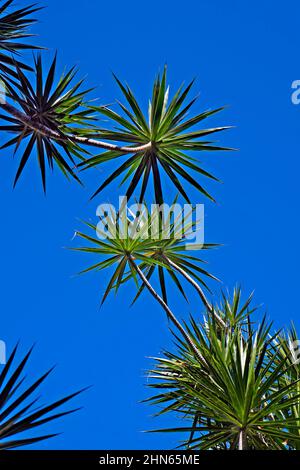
x: 198, y: 289
x: 44, y: 130
x: 167, y: 309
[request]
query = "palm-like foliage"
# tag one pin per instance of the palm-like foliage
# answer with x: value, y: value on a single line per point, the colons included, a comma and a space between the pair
x: 168, y: 128
x: 13, y: 29
x: 241, y: 398
x: 20, y: 412
x: 233, y: 311
x: 60, y: 108
x: 174, y: 252
x: 127, y: 252
x: 145, y: 241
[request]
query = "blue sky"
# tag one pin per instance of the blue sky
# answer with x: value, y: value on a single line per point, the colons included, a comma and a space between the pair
x: 245, y: 55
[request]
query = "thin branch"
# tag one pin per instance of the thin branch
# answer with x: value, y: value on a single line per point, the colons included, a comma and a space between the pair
x: 167, y: 310
x: 45, y: 131
x: 242, y: 445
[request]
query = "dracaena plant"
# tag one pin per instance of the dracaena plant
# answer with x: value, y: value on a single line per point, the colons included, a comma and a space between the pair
x: 235, y: 384
x: 154, y: 239
x: 287, y: 346
x: 169, y: 137
x: 60, y: 123
x: 20, y: 408
x: 14, y: 24
x: 240, y: 396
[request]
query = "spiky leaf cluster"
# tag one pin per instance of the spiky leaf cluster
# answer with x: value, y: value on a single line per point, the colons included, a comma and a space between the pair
x: 44, y: 105
x: 14, y: 25
x: 170, y: 131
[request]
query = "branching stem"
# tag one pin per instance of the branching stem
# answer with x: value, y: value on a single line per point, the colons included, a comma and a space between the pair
x: 242, y: 444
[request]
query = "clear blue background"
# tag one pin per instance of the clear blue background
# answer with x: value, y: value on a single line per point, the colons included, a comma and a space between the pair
x: 245, y: 54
